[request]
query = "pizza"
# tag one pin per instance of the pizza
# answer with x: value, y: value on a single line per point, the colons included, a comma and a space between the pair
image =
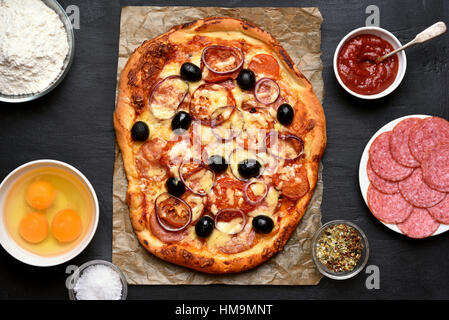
x: 221, y: 137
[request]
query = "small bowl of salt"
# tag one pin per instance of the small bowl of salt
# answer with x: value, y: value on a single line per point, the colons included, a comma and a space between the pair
x: 97, y: 280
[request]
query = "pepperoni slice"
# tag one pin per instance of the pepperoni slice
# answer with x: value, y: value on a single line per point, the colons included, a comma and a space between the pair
x: 213, y: 77
x: 389, y: 208
x: 162, y: 234
x: 147, y: 160
x: 383, y: 163
x: 419, y: 225
x: 241, y: 241
x: 228, y: 84
x: 166, y: 97
x: 227, y: 194
x: 197, y: 177
x: 431, y: 132
x: 292, y: 180
x: 220, y: 63
x: 380, y: 184
x: 399, y: 142
x: 415, y: 191
x: 151, y: 150
x: 435, y: 168
x: 264, y: 65
x: 440, y: 212
x: 212, y: 104
x: 222, y: 59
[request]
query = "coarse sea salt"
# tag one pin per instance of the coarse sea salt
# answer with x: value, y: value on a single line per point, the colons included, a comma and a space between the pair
x: 98, y: 282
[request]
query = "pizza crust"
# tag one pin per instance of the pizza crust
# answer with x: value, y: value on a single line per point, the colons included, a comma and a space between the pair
x: 130, y: 102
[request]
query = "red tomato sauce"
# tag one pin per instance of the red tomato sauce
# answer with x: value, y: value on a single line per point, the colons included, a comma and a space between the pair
x: 357, y: 65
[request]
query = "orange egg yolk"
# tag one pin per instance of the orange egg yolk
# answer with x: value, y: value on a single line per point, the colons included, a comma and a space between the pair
x: 34, y: 227
x: 66, y: 225
x: 40, y: 195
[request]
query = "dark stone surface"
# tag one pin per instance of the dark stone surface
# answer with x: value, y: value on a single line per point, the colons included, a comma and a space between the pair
x: 74, y: 124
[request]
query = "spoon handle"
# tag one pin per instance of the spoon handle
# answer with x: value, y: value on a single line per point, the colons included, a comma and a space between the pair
x: 431, y: 32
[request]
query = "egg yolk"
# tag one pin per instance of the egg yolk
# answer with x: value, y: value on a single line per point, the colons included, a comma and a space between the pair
x: 66, y: 225
x: 34, y: 227
x: 40, y: 195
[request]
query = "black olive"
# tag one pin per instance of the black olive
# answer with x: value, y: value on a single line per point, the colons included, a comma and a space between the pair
x: 217, y: 163
x: 285, y: 114
x: 181, y: 120
x: 190, y: 72
x: 263, y: 224
x: 140, y: 131
x: 175, y: 187
x: 249, y: 168
x: 246, y: 79
x: 204, y: 226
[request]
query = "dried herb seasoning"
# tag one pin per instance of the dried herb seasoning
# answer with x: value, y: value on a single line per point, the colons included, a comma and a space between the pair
x: 339, y: 248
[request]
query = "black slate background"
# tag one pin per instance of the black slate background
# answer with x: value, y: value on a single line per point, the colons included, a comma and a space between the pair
x: 74, y: 124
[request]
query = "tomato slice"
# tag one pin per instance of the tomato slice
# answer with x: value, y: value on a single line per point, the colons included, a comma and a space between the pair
x: 173, y: 212
x: 265, y: 65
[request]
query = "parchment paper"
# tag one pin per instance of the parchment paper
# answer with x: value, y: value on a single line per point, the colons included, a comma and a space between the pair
x: 298, y: 30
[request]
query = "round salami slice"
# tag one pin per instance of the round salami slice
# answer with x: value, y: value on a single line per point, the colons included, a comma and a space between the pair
x: 241, y: 241
x: 435, y: 168
x: 383, y: 163
x: 440, y: 212
x: 265, y: 65
x: 162, y: 234
x: 423, y: 137
x: 380, y: 184
x: 399, y: 142
x: 418, y: 193
x: 389, y: 208
x: 419, y: 225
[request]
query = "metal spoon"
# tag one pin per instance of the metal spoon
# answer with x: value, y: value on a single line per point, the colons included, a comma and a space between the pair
x: 431, y: 32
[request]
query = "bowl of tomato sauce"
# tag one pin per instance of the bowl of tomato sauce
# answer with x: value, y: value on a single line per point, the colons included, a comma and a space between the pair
x: 355, y: 63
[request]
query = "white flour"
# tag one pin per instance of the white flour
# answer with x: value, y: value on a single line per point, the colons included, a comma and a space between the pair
x: 33, y: 46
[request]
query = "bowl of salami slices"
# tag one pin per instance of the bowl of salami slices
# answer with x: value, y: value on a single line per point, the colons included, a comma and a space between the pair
x: 404, y: 175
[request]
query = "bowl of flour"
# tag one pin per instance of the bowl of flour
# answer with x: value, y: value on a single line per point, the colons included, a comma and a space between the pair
x: 37, y: 46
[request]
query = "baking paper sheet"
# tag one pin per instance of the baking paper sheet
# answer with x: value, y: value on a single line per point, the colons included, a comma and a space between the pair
x: 298, y: 30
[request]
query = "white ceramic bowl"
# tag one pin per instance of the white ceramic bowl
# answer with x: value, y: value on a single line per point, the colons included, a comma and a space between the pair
x: 54, y: 5
x: 386, y: 35
x: 28, y: 257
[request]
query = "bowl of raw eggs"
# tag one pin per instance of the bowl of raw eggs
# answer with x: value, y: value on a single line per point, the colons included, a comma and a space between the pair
x: 48, y: 213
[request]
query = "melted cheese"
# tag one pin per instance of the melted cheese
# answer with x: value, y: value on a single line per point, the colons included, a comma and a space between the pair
x: 218, y: 239
x: 231, y: 227
x: 268, y: 206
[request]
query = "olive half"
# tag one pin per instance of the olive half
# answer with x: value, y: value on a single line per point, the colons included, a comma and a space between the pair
x: 249, y: 168
x: 190, y: 72
x: 263, y: 224
x: 181, y: 120
x: 217, y: 163
x: 246, y: 79
x: 204, y: 226
x: 140, y: 131
x: 175, y: 187
x: 285, y: 114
